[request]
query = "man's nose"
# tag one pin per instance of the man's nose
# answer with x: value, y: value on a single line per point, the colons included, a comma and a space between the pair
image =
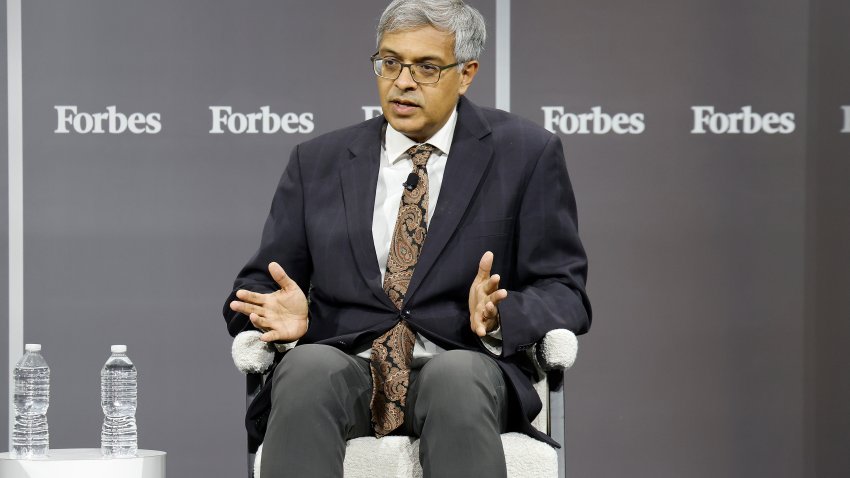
x: 405, y: 80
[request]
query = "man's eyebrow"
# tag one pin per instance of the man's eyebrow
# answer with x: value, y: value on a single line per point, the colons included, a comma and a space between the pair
x: 423, y: 59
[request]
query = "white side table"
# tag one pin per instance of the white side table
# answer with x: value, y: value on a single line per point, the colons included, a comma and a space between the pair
x: 84, y: 462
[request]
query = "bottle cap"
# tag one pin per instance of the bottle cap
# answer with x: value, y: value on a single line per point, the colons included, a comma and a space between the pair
x: 118, y: 349
x: 32, y: 347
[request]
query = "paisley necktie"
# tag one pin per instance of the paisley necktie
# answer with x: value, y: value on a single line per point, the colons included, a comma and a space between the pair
x: 392, y: 352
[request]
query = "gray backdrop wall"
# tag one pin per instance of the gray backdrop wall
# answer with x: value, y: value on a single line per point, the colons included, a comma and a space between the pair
x: 828, y: 241
x: 703, y: 140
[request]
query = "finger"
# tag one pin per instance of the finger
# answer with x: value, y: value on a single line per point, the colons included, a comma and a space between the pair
x: 257, y: 320
x: 491, y: 316
x: 245, y: 308
x: 498, y: 296
x: 279, y: 276
x: 476, y: 322
x: 491, y: 284
x: 252, y: 297
x: 484, y: 266
x: 492, y: 311
x: 270, y: 336
x: 275, y: 335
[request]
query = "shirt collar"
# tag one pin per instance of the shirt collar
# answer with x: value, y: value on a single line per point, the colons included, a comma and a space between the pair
x: 397, y: 143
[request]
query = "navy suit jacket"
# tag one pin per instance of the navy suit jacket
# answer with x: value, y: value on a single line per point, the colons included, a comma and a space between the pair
x: 505, y: 190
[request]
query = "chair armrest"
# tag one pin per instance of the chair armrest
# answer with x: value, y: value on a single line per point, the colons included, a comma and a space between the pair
x: 252, y: 355
x: 556, y: 351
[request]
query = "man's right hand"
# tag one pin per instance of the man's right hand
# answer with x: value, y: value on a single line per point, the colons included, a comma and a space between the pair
x: 281, y: 315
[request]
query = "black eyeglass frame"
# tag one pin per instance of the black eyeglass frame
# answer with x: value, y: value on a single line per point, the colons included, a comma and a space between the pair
x: 374, y: 59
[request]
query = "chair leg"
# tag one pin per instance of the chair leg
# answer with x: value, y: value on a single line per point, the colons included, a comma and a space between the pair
x: 253, y: 383
x: 557, y: 424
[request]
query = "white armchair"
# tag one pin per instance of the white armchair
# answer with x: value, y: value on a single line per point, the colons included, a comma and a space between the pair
x: 398, y: 456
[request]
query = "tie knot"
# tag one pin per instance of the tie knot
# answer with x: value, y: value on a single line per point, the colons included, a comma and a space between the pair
x: 420, y: 153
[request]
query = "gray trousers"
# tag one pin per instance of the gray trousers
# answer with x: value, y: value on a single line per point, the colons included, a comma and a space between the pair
x: 456, y: 405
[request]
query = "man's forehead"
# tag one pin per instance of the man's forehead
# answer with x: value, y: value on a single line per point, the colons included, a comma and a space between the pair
x: 425, y: 43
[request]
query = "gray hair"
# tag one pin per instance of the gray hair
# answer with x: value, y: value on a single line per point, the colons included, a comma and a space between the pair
x: 450, y: 16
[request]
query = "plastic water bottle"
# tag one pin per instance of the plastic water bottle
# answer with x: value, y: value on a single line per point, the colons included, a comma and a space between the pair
x: 118, y: 386
x: 30, y: 437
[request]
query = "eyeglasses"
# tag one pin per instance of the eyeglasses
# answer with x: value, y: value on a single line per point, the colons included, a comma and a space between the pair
x: 422, y: 73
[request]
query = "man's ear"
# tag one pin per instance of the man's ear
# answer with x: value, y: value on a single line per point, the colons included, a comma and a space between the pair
x: 467, y: 74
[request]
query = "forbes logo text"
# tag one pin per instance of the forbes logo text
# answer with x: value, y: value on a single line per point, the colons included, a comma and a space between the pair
x: 265, y: 121
x: 746, y: 121
x: 112, y: 121
x: 595, y: 122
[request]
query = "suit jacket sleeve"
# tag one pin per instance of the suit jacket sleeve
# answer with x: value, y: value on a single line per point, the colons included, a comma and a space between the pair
x: 284, y: 240
x: 547, y: 290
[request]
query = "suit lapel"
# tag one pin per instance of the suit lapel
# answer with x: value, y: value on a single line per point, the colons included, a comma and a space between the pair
x: 468, y: 160
x: 359, y: 179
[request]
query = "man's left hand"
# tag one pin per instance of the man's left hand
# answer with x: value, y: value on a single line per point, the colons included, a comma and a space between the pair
x: 484, y: 298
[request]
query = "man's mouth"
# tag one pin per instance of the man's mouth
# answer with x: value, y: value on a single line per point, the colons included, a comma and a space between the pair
x: 403, y: 107
x: 403, y: 102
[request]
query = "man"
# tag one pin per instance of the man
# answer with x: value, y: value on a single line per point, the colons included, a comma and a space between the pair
x: 436, y: 244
